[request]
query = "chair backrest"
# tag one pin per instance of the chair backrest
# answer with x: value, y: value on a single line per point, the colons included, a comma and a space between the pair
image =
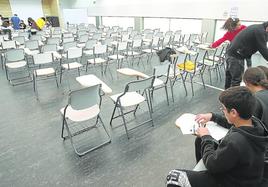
x: 169, y: 33
x: 162, y: 69
x: 67, y: 35
x: 55, y: 40
x: 137, y: 43
x: 125, y: 37
x: 85, y: 97
x: 43, y: 58
x: 14, y: 55
x: 108, y: 41
x: 81, y: 32
x: 42, y: 33
x: 70, y: 39
x: 9, y: 44
x: 74, y: 53
x: 96, y: 36
x: 121, y: 46
x: 24, y: 34
x: 115, y: 28
x: 90, y: 44
x: 83, y: 38
x: 159, y: 34
x: 147, y: 31
x: 149, y: 36
x: 32, y: 44
x: 100, y: 49
x: 166, y: 39
x: 20, y: 39
x: 140, y: 85
x: 129, y: 29
x: 155, y: 41
x: 56, y: 35
x: 49, y: 48
x: 36, y: 37
x: 69, y: 45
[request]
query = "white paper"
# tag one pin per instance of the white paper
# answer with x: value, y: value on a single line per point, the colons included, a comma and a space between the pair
x: 187, y: 124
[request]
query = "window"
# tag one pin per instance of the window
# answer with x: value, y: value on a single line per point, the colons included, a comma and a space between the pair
x: 92, y: 20
x: 187, y: 26
x: 124, y: 22
x: 155, y: 23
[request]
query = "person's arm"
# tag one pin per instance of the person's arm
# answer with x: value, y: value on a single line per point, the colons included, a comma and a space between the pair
x: 221, y: 40
x: 261, y: 42
x: 220, y: 159
x: 220, y: 120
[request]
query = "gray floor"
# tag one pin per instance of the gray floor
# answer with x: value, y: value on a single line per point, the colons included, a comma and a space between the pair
x: 33, y: 154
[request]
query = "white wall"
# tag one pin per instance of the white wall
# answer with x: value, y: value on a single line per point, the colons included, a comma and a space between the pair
x: 27, y: 8
x: 211, y: 9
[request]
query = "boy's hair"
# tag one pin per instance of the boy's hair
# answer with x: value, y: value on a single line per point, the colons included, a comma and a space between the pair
x: 256, y: 76
x: 239, y: 98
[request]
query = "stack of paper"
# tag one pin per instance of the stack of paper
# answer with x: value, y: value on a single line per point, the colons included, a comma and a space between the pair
x: 186, y: 122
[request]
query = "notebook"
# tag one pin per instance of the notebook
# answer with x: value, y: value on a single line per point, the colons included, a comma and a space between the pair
x: 187, y: 124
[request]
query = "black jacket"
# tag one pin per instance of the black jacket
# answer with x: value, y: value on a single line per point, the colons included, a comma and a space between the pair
x: 250, y: 40
x: 239, y: 158
x: 261, y: 111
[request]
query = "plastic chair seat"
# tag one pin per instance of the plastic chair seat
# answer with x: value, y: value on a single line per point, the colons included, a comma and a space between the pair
x: 81, y: 115
x: 114, y: 57
x: 45, y: 71
x: 88, y: 52
x: 72, y: 65
x: 97, y: 60
x: 31, y: 52
x: 18, y: 64
x: 130, y: 53
x: 209, y: 62
x: 148, y: 51
x: 129, y: 99
x: 81, y: 45
x: 215, y: 58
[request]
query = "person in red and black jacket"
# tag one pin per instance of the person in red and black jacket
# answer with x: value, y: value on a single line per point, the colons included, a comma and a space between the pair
x: 247, y: 42
x: 233, y: 27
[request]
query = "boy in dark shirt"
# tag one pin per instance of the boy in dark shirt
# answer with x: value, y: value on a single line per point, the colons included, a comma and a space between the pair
x: 238, y: 160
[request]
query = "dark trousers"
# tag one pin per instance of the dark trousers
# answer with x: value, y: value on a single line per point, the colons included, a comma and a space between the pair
x: 234, y: 71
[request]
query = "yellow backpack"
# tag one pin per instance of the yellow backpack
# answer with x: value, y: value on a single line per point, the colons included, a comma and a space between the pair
x: 189, y: 65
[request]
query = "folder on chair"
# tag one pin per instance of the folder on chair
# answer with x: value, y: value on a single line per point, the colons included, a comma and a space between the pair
x: 187, y: 124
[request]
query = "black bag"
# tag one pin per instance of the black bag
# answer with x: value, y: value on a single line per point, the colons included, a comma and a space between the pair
x: 164, y: 54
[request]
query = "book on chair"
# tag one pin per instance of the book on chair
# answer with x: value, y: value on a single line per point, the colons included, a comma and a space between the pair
x: 187, y: 124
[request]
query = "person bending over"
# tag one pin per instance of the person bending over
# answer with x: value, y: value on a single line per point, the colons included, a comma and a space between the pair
x: 233, y: 27
x: 245, y: 44
x: 238, y: 160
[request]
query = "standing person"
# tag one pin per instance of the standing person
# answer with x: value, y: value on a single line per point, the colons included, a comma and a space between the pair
x: 238, y: 160
x: 233, y: 27
x: 6, y: 29
x: 15, y: 20
x: 245, y: 44
x: 22, y: 25
x: 41, y: 22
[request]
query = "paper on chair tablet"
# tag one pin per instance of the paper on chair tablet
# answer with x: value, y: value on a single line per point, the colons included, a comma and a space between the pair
x: 186, y: 122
